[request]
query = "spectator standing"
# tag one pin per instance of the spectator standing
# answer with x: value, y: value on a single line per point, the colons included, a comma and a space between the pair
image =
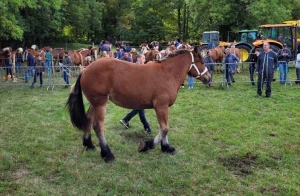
x: 8, y: 64
x: 100, y: 46
x: 19, y: 61
x: 106, y: 47
x: 252, y: 65
x: 39, y: 70
x: 126, y: 57
x: 230, y: 64
x: 66, y: 65
x: 298, y: 69
x: 104, y: 54
x: 125, y: 121
x: 30, y: 69
x: 209, y: 63
x: 190, y: 82
x: 284, y: 55
x: 266, y: 64
x: 48, y: 62
x: 88, y: 60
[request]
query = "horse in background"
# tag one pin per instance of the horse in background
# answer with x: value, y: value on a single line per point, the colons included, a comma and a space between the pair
x: 144, y: 48
x: 101, y: 82
x: 152, y: 55
x: 93, y: 52
x: 3, y: 55
x: 133, y: 55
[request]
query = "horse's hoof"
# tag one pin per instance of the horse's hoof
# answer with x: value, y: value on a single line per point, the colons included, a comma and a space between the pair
x: 142, y: 147
x: 109, y: 159
x: 168, y: 149
x: 90, y: 149
x: 145, y: 146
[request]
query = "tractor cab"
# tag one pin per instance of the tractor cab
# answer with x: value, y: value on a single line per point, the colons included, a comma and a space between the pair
x: 211, y: 38
x: 277, y: 35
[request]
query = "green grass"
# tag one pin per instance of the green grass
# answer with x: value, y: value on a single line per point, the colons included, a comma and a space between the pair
x: 229, y: 142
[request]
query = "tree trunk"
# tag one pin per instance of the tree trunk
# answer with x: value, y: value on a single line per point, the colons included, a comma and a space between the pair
x: 179, y: 23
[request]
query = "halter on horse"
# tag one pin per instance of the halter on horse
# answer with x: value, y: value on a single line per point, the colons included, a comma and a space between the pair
x: 116, y: 80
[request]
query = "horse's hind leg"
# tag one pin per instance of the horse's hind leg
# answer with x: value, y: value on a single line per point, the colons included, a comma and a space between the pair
x: 98, y: 125
x: 162, y: 117
x: 87, y: 139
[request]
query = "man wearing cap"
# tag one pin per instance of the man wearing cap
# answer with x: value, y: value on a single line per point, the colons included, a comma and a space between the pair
x: 284, y: 55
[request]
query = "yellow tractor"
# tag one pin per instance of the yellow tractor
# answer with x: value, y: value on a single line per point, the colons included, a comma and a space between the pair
x: 278, y: 34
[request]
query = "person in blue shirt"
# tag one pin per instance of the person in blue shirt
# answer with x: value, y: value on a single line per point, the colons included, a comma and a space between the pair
x: 126, y: 57
x: 30, y: 70
x: 284, y: 55
x: 8, y: 64
x: 230, y: 64
x: 209, y: 63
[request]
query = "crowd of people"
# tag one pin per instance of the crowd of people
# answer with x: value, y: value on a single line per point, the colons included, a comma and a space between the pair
x: 263, y: 67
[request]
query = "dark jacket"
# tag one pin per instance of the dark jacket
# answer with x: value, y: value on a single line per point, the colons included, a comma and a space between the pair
x: 19, y: 57
x: 267, y: 62
x: 281, y: 57
x: 30, y: 60
x: 209, y: 63
x: 39, y: 66
x: 67, y: 61
x: 8, y: 61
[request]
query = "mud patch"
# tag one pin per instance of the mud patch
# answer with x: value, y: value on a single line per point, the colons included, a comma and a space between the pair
x: 135, y: 136
x: 241, y: 166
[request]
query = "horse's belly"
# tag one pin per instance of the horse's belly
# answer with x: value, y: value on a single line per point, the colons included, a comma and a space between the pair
x: 130, y: 103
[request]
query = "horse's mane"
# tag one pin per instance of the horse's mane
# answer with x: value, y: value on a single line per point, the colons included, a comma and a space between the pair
x: 176, y: 53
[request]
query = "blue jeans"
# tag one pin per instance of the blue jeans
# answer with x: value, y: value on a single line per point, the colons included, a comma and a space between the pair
x: 48, y: 66
x: 283, y: 70
x: 142, y: 116
x: 66, y: 76
x: 18, y: 67
x: 9, y: 72
x: 228, y: 74
x: 29, y: 71
x: 191, y: 82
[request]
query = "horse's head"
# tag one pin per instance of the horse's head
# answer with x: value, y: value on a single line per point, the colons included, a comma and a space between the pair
x: 198, y: 68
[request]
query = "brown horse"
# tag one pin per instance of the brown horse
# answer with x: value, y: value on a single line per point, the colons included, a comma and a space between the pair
x: 217, y: 54
x: 57, y: 55
x: 115, y: 80
x: 152, y: 55
x: 76, y: 56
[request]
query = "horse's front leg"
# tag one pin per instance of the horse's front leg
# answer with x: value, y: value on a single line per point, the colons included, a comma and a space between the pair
x: 98, y: 125
x: 87, y: 139
x: 162, y: 117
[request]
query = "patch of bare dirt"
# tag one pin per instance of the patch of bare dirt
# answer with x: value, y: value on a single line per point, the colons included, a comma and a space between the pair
x: 241, y: 166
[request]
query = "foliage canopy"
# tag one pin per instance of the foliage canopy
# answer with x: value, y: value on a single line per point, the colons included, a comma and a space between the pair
x: 40, y: 21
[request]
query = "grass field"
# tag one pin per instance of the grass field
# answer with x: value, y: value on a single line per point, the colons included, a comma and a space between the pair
x: 229, y: 142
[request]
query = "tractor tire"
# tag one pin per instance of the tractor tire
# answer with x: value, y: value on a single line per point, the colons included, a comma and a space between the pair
x: 203, y: 50
x: 245, y: 52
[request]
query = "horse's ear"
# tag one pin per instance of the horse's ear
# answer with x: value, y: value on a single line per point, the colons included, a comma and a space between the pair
x: 196, y: 49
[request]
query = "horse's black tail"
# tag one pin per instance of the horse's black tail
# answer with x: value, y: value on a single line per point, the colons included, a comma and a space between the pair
x: 76, y: 107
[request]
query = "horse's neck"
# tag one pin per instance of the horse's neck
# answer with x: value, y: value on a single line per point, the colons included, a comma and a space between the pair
x: 178, y: 66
